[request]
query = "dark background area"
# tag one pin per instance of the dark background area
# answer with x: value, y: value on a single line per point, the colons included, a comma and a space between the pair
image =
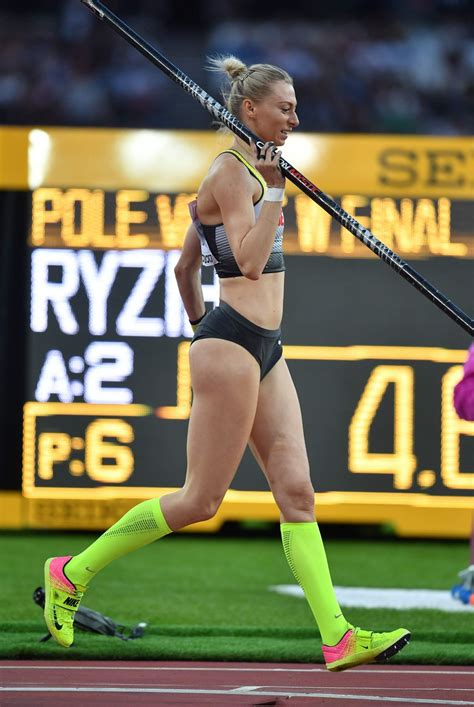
x: 402, y: 66
x: 14, y: 217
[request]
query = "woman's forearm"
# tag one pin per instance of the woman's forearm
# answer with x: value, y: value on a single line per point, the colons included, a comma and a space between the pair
x: 189, y: 285
x: 257, y: 244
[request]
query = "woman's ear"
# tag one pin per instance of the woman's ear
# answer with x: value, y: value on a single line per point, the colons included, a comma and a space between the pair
x: 248, y: 108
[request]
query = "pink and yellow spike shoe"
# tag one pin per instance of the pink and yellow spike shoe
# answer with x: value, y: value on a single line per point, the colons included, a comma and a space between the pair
x: 358, y: 647
x: 62, y: 599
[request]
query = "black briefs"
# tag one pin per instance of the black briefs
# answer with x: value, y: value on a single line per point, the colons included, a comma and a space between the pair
x: 224, y: 322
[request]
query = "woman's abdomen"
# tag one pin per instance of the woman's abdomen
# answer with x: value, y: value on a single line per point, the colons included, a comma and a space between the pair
x: 260, y: 301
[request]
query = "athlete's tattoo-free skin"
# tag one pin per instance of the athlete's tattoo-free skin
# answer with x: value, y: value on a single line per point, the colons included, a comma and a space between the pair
x: 243, y: 393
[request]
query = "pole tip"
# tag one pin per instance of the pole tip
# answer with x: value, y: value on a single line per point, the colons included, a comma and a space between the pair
x: 92, y: 6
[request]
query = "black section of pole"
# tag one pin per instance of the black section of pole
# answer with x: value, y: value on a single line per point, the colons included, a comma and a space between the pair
x: 221, y: 114
x: 218, y: 111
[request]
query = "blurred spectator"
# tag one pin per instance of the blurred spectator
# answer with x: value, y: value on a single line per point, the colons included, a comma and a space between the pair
x: 393, y: 67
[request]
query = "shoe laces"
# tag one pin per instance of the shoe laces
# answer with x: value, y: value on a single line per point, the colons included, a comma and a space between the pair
x: 364, y: 634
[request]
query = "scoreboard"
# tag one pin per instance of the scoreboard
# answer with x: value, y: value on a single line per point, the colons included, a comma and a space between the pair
x: 107, y: 388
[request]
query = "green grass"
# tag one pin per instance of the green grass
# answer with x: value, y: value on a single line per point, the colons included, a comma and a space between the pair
x: 207, y: 598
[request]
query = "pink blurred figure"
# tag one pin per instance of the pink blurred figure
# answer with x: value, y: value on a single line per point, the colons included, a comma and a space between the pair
x: 464, y: 391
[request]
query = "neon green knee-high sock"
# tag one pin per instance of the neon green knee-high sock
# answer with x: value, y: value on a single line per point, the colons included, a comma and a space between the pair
x: 140, y: 526
x: 306, y: 556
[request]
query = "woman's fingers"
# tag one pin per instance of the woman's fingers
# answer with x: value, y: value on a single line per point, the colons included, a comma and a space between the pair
x: 276, y: 157
x: 263, y: 153
x: 268, y: 164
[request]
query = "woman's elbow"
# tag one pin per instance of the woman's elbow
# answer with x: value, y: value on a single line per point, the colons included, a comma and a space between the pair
x: 252, y: 275
x: 179, y: 270
x: 184, y: 269
x: 249, y: 270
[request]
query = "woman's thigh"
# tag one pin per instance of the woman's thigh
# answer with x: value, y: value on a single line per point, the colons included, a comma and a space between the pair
x: 277, y: 440
x: 225, y: 380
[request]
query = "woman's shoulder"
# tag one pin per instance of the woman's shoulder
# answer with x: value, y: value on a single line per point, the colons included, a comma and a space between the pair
x: 228, y: 170
x: 227, y: 163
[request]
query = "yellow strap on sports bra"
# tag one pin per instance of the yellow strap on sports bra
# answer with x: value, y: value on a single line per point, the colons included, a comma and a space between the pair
x: 250, y: 167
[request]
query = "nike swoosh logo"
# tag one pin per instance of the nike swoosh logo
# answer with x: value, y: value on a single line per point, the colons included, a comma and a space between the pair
x: 56, y: 622
x: 89, y: 570
x: 337, y: 616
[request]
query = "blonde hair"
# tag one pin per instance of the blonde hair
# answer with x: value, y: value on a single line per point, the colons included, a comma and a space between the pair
x: 252, y: 82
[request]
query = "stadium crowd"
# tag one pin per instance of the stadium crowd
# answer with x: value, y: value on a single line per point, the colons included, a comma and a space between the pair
x: 390, y: 71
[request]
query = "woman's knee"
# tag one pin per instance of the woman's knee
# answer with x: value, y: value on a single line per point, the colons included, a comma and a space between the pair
x: 287, y: 469
x: 201, y: 505
x: 294, y: 495
x: 299, y: 500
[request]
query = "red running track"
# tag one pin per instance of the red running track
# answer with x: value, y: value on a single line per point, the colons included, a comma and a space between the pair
x: 42, y: 683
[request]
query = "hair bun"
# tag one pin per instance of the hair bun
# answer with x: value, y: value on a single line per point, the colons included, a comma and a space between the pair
x: 230, y: 65
x: 237, y: 73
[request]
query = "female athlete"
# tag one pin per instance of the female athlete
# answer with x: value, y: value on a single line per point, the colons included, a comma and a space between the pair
x: 243, y: 391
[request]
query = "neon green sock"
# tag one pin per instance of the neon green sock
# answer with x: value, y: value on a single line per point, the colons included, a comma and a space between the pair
x: 306, y: 556
x: 140, y: 526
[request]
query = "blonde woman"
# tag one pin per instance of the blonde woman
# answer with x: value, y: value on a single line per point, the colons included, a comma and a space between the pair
x: 243, y: 391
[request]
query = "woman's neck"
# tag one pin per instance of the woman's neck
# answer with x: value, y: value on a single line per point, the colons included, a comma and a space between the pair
x: 244, y: 149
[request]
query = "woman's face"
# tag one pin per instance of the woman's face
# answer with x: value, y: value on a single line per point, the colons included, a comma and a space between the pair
x: 274, y: 116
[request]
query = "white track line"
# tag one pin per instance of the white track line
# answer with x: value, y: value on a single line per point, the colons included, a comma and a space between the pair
x: 378, y: 688
x: 352, y: 687
x: 378, y: 671
x: 250, y: 691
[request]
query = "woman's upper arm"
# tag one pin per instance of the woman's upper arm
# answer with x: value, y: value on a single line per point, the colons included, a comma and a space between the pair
x: 190, y: 258
x: 233, y: 193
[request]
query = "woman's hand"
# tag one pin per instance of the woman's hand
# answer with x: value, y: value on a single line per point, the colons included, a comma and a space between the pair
x: 268, y: 164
